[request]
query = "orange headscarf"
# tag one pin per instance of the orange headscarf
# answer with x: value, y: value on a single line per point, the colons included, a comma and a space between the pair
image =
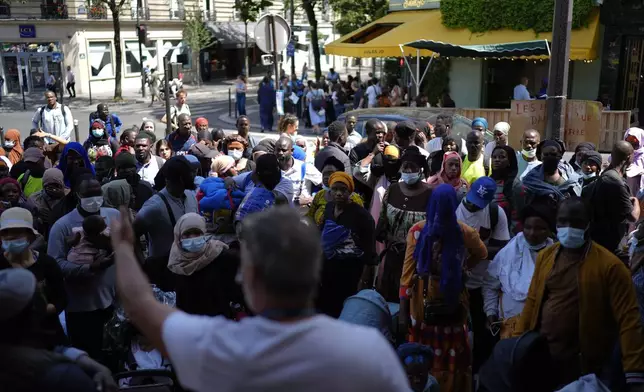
x: 441, y: 176
x: 15, y: 155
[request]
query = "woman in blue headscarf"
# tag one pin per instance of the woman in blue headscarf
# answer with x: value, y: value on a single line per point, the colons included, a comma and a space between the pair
x: 74, y: 156
x: 433, y: 299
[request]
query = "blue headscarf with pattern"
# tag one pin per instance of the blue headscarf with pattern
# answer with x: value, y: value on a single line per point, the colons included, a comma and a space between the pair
x: 441, y: 225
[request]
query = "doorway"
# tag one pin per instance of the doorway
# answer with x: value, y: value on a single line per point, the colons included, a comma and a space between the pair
x: 632, y: 78
x: 30, y: 70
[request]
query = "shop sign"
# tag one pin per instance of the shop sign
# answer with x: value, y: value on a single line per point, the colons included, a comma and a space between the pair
x: 411, y: 5
x: 27, y: 31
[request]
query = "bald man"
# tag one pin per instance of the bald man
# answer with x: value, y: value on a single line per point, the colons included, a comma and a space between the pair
x: 527, y: 157
x: 303, y: 176
x: 183, y: 138
x: 610, y: 200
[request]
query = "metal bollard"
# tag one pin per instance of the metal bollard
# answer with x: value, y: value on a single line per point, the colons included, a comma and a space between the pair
x: 230, y: 102
x: 76, y: 134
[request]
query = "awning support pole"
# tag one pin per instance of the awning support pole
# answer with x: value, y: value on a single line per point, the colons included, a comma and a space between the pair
x: 426, y: 69
x: 547, y: 47
x: 417, y: 72
x: 411, y: 73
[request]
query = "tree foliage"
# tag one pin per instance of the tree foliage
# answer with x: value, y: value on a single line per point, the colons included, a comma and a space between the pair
x: 197, y: 36
x: 351, y: 14
x: 249, y: 11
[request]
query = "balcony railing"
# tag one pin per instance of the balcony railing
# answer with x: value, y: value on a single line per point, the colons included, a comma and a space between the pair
x: 5, y: 11
x: 53, y: 11
x: 143, y: 13
x: 97, y: 12
x: 179, y: 13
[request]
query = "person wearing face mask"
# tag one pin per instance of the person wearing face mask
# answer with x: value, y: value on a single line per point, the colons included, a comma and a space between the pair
x: 90, y: 287
x: 511, y: 270
x: 450, y: 173
x: 204, y: 269
x: 303, y: 176
x: 99, y: 143
x: 323, y: 196
x: 577, y: 158
x: 581, y: 299
x: 591, y: 166
x: 158, y: 215
x: 527, y: 158
x: 234, y: 146
x: 13, y: 148
x: 612, y: 206
x: 46, y: 199
x: 17, y: 234
x: 403, y: 205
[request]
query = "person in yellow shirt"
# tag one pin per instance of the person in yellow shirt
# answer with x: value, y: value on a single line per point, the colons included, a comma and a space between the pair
x: 473, y: 167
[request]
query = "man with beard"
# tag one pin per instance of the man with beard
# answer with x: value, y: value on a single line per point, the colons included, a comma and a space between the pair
x: 112, y: 122
x: 147, y: 165
x: 363, y: 154
x: 609, y: 198
x: 90, y: 287
x: 126, y: 169
x: 303, y: 176
x: 159, y: 214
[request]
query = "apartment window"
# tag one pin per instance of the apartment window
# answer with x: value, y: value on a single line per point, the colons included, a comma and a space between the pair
x: 132, y: 64
x: 100, y: 59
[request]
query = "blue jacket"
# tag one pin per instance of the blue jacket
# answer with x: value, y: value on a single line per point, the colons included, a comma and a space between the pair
x: 112, y: 125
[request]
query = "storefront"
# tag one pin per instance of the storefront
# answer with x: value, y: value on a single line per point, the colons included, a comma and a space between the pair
x: 30, y: 65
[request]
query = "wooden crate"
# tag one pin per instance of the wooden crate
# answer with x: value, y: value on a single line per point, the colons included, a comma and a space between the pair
x: 614, y: 125
x: 492, y: 116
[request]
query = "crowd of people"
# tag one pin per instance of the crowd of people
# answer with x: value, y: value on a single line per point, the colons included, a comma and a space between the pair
x: 407, y: 259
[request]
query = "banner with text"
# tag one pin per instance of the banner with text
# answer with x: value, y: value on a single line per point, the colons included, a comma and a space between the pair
x: 526, y: 115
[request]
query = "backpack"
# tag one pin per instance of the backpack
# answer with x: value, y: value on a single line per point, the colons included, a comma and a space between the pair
x: 42, y: 114
x: 317, y: 102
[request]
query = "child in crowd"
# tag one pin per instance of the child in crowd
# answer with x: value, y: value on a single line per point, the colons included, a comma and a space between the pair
x: 416, y: 360
x: 90, y: 242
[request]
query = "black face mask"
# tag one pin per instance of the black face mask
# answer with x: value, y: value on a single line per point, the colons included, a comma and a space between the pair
x: 391, y: 170
x: 550, y: 164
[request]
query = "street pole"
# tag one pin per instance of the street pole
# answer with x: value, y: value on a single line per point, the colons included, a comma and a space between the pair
x: 166, y: 89
x: 271, y: 21
x: 558, y: 74
x: 292, y: 26
x: 139, y: 8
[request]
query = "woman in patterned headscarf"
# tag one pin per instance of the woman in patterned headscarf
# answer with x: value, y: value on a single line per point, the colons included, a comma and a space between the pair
x: 13, y: 146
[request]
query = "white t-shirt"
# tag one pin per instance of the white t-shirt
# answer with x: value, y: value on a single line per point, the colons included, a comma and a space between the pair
x: 319, y: 354
x: 372, y: 96
x: 477, y: 220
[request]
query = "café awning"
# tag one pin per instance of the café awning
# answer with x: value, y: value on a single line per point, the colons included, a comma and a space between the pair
x: 383, y: 37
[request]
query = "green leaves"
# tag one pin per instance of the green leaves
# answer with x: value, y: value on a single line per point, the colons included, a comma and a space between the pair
x: 352, y: 14
x: 195, y: 32
x: 249, y: 10
x: 485, y: 15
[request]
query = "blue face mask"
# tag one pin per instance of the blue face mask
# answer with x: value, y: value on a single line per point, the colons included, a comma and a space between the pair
x: 326, y: 188
x: 571, y: 238
x: 195, y: 244
x: 15, y: 246
x: 410, y: 178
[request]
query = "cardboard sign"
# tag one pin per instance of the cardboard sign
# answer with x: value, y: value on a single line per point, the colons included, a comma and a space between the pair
x: 526, y: 115
x: 583, y: 123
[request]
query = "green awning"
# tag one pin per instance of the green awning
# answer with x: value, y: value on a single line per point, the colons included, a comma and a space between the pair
x: 511, y: 49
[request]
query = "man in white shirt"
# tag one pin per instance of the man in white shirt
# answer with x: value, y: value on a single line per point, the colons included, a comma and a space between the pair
x: 354, y: 136
x: 521, y: 90
x: 147, y: 165
x: 71, y: 82
x: 53, y: 118
x: 181, y: 107
x: 491, y: 222
x: 527, y: 157
x: 443, y: 128
x: 304, y: 176
x: 287, y: 347
x: 372, y: 95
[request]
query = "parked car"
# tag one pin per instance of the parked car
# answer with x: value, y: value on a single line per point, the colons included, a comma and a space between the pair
x: 460, y: 127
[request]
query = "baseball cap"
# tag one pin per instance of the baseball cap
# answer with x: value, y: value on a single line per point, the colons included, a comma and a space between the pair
x: 17, y: 288
x: 481, y: 192
x: 202, y: 151
x: 33, y: 154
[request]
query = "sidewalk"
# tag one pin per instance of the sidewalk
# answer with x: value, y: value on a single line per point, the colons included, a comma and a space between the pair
x: 217, y: 91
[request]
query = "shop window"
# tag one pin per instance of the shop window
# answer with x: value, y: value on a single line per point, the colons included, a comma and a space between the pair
x: 175, y: 48
x: 100, y: 59
x: 132, y: 64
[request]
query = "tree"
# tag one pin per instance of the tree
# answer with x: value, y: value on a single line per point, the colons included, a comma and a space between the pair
x: 309, y: 9
x: 197, y: 36
x: 249, y: 12
x: 115, y: 6
x: 355, y: 14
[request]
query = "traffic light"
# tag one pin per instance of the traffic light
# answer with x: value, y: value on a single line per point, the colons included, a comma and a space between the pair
x: 142, y: 33
x: 401, y: 63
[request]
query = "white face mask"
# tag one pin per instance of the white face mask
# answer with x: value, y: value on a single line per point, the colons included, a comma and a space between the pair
x: 235, y: 154
x: 410, y: 178
x: 9, y: 145
x: 91, y: 204
x: 589, y: 175
x: 529, y: 153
